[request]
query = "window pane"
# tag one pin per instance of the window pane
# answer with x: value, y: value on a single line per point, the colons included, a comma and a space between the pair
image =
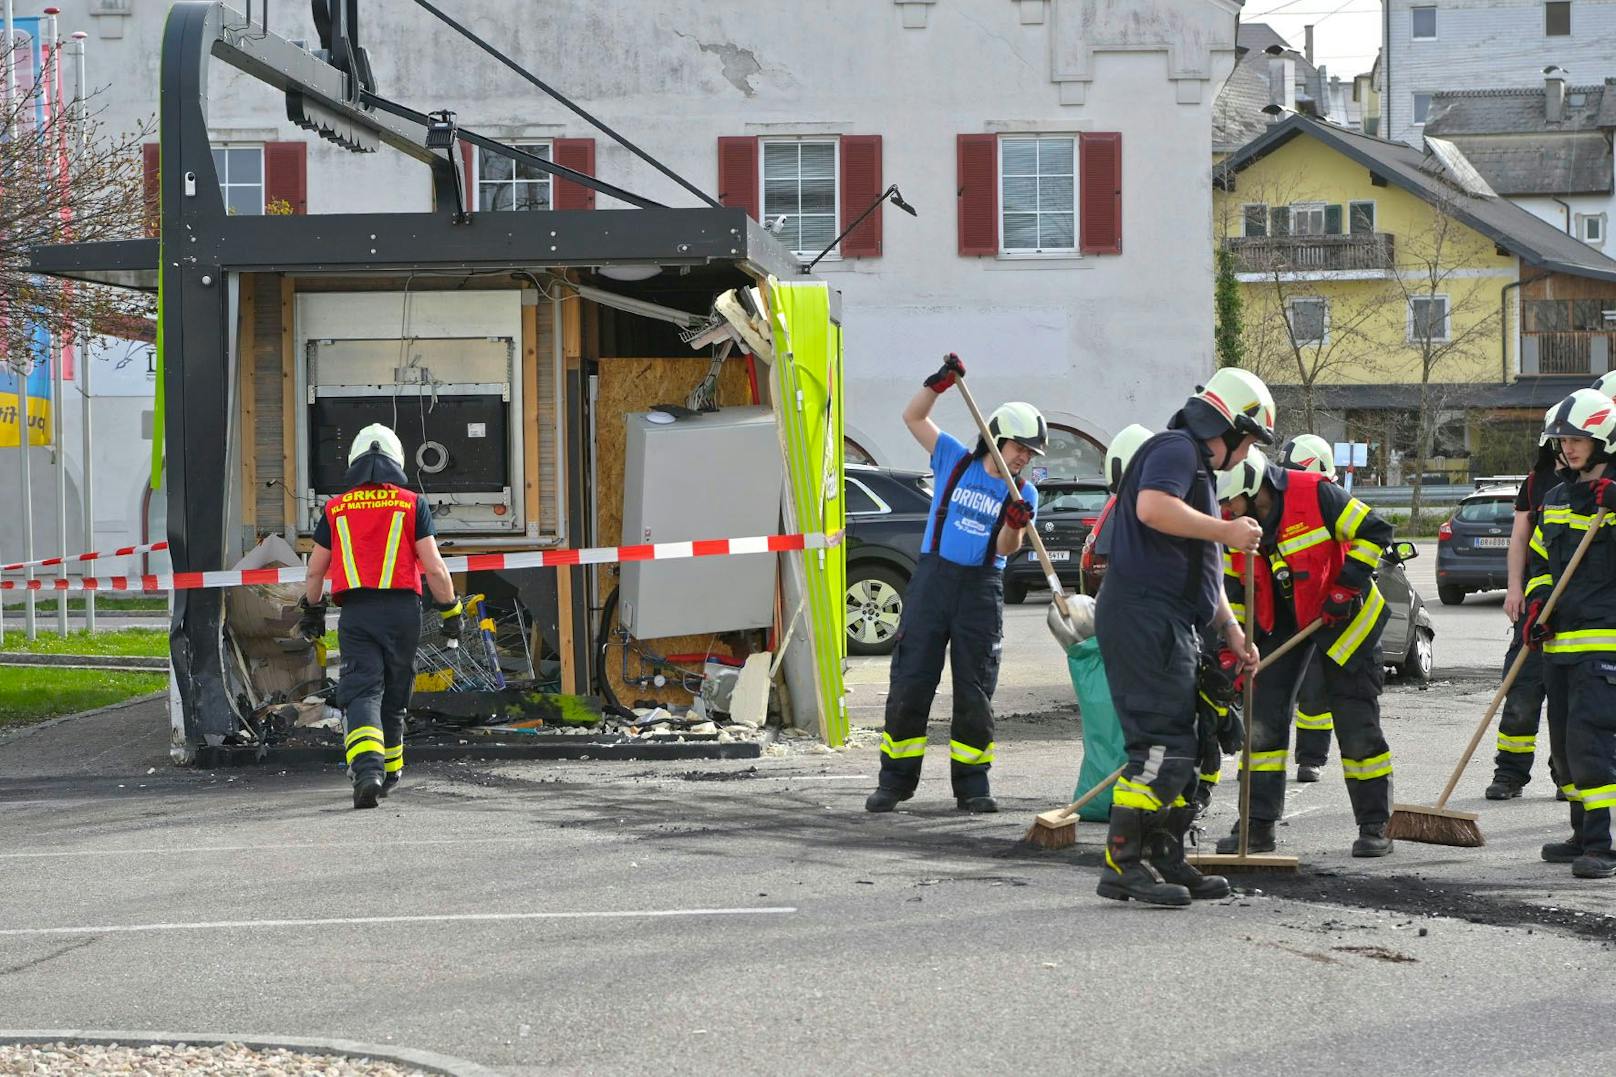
x: 1307, y: 320
x: 1055, y: 194
x: 221, y: 166
x: 817, y: 232
x: 246, y: 166
x: 1020, y: 231
x: 1587, y: 314
x: 779, y: 159
x: 1422, y: 106
x: 779, y: 196
x: 1019, y: 156
x: 1424, y: 21
x: 1055, y: 156
x: 494, y: 196
x: 858, y: 500
x: 1547, y: 315
x: 492, y: 166
x: 1363, y: 218
x: 819, y: 160
x: 819, y: 195
x: 526, y: 171
x: 1020, y: 194
x: 1055, y: 231
x: 1556, y: 19
x: 244, y: 201
x: 1257, y: 220
x: 532, y: 195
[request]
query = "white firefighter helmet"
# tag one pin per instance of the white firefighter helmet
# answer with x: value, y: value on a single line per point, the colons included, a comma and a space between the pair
x: 377, y: 437
x: 1121, y: 450
x: 1308, y: 452
x: 1242, y: 400
x: 1586, y: 413
x: 1606, y: 384
x: 1244, y: 478
x: 1020, y: 422
x: 1548, y: 421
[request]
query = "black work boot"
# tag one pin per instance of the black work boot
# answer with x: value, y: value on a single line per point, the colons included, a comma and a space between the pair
x: 1167, y: 857
x: 1595, y: 864
x: 1503, y: 789
x: 1372, y: 841
x: 1126, y: 873
x: 1562, y: 852
x: 1307, y: 772
x: 1260, y: 839
x: 367, y: 788
x: 983, y: 805
x: 389, y: 783
x: 884, y: 799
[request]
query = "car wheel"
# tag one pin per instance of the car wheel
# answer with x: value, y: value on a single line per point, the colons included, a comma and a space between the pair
x: 1450, y: 594
x: 874, y: 608
x: 1421, y: 657
x: 1014, y: 593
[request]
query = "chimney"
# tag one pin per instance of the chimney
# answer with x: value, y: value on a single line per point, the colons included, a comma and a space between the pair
x: 1307, y: 47
x: 1554, y: 95
x: 1281, y: 80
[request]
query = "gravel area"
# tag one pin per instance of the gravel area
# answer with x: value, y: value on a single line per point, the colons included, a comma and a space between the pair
x: 160, y: 1060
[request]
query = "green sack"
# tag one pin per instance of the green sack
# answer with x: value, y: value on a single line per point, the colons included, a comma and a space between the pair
x: 1103, y: 747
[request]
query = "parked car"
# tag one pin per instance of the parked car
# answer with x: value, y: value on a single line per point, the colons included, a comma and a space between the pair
x: 887, y: 512
x: 1472, y: 547
x: 1091, y: 562
x: 1067, y: 510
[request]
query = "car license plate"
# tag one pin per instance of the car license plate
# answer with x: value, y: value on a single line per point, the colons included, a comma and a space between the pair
x: 1054, y: 555
x: 1492, y: 543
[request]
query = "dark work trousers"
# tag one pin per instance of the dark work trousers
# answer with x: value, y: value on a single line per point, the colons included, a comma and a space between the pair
x: 1150, y: 645
x: 957, y: 610
x: 1582, y: 741
x: 1523, y: 707
x: 1354, y: 690
x: 377, y: 632
x: 1314, y: 719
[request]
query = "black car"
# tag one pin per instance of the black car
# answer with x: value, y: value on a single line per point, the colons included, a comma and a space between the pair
x: 1473, y: 545
x: 886, y: 522
x: 1067, y: 511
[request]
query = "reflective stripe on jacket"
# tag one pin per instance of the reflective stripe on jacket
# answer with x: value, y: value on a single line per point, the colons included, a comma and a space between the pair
x: 373, y: 539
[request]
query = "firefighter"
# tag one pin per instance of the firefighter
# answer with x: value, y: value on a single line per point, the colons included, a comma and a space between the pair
x: 1523, y: 706
x: 955, y: 601
x: 1117, y: 456
x: 1161, y: 592
x: 1320, y: 548
x: 375, y: 541
x: 1579, y: 639
x: 1314, y: 719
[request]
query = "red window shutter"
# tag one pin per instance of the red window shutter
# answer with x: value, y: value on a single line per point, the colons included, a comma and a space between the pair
x: 468, y: 176
x: 152, y: 187
x: 861, y: 185
x: 1100, y: 183
x: 738, y: 173
x: 577, y: 154
x: 978, y: 194
x: 286, y: 174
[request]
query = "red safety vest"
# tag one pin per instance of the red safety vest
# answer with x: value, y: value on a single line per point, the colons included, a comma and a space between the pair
x: 1307, y: 549
x: 373, y: 540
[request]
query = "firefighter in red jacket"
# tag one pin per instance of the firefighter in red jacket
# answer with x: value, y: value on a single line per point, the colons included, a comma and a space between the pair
x: 1320, y: 548
x: 376, y: 541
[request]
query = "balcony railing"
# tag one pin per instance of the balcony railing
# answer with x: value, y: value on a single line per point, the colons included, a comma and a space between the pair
x: 1312, y: 254
x: 1567, y: 352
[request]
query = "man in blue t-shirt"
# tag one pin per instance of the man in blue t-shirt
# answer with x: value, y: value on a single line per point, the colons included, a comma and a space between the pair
x: 954, y: 604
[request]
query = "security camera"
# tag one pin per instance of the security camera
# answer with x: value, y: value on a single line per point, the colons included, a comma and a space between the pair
x: 778, y: 224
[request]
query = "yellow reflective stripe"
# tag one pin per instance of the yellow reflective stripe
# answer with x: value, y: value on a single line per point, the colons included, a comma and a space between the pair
x: 1132, y: 794
x: 363, y: 732
x: 1523, y: 745
x: 964, y: 753
x: 1365, y: 552
x: 1561, y: 514
x: 1306, y: 540
x: 913, y: 748
x: 1324, y: 720
x: 395, y: 751
x: 1211, y: 777
x: 364, y: 740
x: 393, y: 766
x: 1535, y: 582
x: 394, y: 530
x: 1239, y: 610
x: 1536, y: 543
x: 1582, y: 641
x: 1603, y: 796
x: 1268, y: 761
x: 1216, y: 708
x: 1351, y: 518
x: 1180, y: 802
x: 1359, y: 628
x: 1572, y: 792
x: 349, y: 569
x: 1363, y: 770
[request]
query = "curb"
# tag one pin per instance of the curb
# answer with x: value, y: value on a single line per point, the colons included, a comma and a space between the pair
x: 132, y: 701
x: 84, y: 661
x: 431, y: 1061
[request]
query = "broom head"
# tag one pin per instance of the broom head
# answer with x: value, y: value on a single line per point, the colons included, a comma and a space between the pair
x: 1053, y: 829
x: 1435, y: 826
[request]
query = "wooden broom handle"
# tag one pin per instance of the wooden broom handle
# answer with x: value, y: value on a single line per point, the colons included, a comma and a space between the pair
x: 1520, y: 657
x: 1010, y: 480
x: 1289, y: 645
x: 1249, y: 703
x: 1104, y: 783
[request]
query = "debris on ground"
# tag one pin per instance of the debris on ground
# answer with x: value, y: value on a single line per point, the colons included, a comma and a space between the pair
x: 157, y: 1060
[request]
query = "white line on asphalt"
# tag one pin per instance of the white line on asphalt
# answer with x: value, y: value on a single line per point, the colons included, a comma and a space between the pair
x: 441, y: 918
x: 813, y: 777
x: 42, y: 853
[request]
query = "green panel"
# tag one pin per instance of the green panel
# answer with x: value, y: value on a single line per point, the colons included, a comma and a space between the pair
x: 1332, y: 220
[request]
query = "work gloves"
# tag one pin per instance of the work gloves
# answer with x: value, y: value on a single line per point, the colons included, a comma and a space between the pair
x: 1605, y: 494
x: 1018, y: 514
x: 1533, y: 630
x: 451, y: 621
x: 1220, y: 712
x: 311, y: 623
x: 1338, y: 606
x: 943, y: 380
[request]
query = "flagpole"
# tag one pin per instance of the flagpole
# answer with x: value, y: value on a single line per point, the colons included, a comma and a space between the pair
x: 51, y: 83
x: 86, y: 401
x: 8, y: 68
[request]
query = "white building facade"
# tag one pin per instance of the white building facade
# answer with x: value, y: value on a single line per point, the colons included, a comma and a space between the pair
x: 1057, y: 153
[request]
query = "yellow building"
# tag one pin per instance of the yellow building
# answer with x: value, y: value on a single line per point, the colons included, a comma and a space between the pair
x: 1375, y: 276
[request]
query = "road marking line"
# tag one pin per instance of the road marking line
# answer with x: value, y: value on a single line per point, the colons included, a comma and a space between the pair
x: 46, y: 853
x: 441, y: 918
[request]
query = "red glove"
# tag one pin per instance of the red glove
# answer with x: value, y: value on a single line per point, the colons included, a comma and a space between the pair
x: 1338, y: 606
x: 1533, y: 630
x: 1228, y: 661
x: 1018, y: 514
x: 943, y: 380
x: 1605, y: 494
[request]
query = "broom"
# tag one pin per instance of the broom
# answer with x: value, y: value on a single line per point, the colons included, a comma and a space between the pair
x: 1057, y: 828
x: 1440, y: 825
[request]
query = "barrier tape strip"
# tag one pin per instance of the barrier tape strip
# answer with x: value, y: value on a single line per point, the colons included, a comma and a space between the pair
x: 125, y: 551
x: 600, y: 555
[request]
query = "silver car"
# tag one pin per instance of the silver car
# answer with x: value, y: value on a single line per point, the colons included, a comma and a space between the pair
x: 1407, y: 641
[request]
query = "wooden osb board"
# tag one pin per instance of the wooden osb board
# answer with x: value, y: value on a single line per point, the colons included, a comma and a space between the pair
x: 630, y: 385
x: 1563, y: 286
x: 264, y: 413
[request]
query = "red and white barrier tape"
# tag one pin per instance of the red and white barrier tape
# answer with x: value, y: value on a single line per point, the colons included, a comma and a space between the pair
x: 150, y: 547
x: 600, y: 555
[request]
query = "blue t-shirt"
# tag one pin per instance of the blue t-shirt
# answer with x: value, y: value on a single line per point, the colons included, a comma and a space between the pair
x: 973, y: 514
x: 1174, y: 463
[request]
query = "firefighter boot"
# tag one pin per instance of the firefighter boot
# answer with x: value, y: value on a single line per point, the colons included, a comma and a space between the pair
x: 1562, y: 852
x: 1372, y: 840
x: 1503, y: 789
x: 389, y: 783
x: 1259, y: 840
x: 1597, y: 864
x: 1307, y: 772
x: 367, y: 787
x: 884, y: 799
x: 1167, y: 857
x: 1126, y: 873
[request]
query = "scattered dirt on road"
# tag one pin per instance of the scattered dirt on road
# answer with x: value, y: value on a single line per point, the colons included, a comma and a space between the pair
x: 1378, y: 953
x: 718, y: 775
x: 159, y: 1060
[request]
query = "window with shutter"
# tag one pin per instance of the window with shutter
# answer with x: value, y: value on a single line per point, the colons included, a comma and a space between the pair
x: 286, y: 177
x: 1332, y: 220
x: 800, y: 190
x: 861, y: 186
x: 507, y: 184
x: 738, y: 173
x: 1307, y: 219
x: 241, y: 179
x: 1256, y: 219
x: 977, y: 161
x: 1280, y: 221
x: 1362, y: 217
x: 577, y: 154
x: 1101, y: 193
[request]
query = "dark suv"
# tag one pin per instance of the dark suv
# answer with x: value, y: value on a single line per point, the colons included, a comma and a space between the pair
x: 1067, y: 510
x: 886, y: 521
x: 1473, y: 545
